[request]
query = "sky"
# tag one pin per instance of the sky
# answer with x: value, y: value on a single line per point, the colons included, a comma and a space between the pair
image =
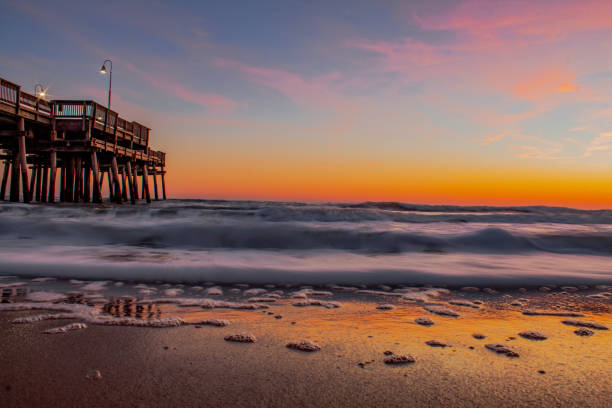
x: 439, y: 102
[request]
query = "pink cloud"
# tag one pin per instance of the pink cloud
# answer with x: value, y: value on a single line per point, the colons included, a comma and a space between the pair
x: 210, y: 101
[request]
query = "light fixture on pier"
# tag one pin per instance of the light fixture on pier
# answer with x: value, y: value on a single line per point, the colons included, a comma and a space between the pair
x: 40, y: 91
x: 110, y: 80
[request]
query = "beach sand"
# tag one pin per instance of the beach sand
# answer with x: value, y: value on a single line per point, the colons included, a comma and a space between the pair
x: 194, y: 366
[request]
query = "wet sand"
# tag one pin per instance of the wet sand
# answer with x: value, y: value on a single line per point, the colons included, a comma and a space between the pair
x: 194, y: 366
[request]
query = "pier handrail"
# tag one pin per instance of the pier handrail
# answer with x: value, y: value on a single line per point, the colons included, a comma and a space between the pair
x: 11, y: 94
x: 109, y: 119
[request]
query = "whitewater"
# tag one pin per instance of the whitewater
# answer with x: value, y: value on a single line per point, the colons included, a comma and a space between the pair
x: 191, y: 241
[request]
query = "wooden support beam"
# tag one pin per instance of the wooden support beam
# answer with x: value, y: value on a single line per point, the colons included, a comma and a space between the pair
x: 86, y: 183
x: 145, y: 183
x: 5, y: 173
x: 77, y: 179
x: 38, y: 182
x: 163, y: 173
x: 97, y: 185
x: 136, y: 181
x: 63, y: 182
x: 45, y: 182
x: 155, y: 183
x: 128, y: 168
x: 53, y: 171
x: 124, y: 193
x: 22, y: 159
x: 111, y: 190
x: 69, y: 193
x: 115, y: 171
x: 33, y: 178
x: 15, y: 179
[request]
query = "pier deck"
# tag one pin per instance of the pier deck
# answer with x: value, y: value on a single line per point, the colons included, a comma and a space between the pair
x: 82, y: 138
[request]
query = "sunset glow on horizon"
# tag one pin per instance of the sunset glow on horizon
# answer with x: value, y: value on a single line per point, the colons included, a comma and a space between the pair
x: 446, y: 102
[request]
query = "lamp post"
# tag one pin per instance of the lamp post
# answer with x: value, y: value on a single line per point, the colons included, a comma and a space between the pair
x: 40, y: 91
x: 110, y: 82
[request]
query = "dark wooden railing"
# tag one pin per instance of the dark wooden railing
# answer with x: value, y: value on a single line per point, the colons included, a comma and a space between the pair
x: 104, y: 119
x: 12, y: 95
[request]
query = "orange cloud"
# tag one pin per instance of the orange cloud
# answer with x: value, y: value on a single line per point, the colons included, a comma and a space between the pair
x: 545, y: 83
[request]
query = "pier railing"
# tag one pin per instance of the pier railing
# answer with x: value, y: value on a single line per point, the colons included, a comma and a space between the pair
x: 103, y: 119
x: 11, y: 96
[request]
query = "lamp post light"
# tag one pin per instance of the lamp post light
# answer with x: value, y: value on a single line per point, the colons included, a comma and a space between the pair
x: 40, y: 91
x: 110, y: 82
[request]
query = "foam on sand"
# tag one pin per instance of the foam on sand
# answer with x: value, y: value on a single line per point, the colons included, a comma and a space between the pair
x: 316, y: 302
x: 385, y: 306
x: 464, y: 303
x: 424, y: 321
x: 583, y: 323
x: 399, y: 359
x: 534, y: 312
x: 66, y: 328
x: 502, y: 349
x: 241, y: 338
x: 43, y: 296
x: 436, y: 343
x: 584, y: 332
x: 304, y: 345
x: 533, y: 335
x: 441, y: 311
x: 94, y: 286
x: 211, y: 322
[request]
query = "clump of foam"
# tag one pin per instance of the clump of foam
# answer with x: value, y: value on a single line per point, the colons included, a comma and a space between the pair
x: 339, y: 288
x: 316, y: 302
x: 43, y: 296
x: 502, y: 349
x: 533, y: 335
x: 66, y: 328
x: 464, y: 303
x: 241, y: 338
x: 43, y: 279
x: 399, y: 359
x: 301, y: 294
x: 254, y: 292
x: 94, y: 286
x: 304, y: 345
x: 262, y: 300
x: 584, y: 332
x: 385, y: 306
x: 424, y: 321
x: 214, y: 291
x: 205, y: 303
x: 213, y: 322
x: 534, y: 312
x: 172, y: 292
x: 583, y: 323
x: 436, y: 343
x: 441, y: 310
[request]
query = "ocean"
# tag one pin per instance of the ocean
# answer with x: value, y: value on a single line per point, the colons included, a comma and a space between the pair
x: 372, y: 243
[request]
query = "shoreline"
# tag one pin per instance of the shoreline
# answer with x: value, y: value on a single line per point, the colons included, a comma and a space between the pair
x: 191, y: 366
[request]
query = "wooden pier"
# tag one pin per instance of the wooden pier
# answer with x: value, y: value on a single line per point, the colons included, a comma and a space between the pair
x: 84, y: 140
